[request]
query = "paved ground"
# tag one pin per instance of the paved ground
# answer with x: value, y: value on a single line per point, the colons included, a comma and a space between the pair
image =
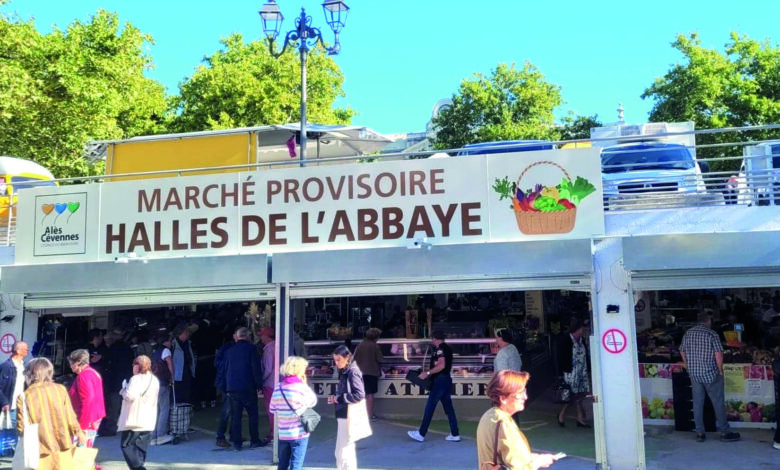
x: 390, y: 449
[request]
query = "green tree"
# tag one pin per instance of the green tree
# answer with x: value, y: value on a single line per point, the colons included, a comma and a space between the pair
x: 243, y: 85
x: 62, y: 89
x: 575, y: 127
x: 508, y: 104
x: 740, y: 87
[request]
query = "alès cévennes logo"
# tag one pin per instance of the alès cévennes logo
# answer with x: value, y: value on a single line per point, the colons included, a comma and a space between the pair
x: 52, y: 214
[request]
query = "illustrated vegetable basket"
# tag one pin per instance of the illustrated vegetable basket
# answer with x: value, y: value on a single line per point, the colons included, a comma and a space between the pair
x: 545, y: 209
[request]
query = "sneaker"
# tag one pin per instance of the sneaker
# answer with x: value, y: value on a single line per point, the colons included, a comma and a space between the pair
x: 374, y: 417
x: 452, y: 438
x: 730, y: 436
x: 701, y: 437
x: 256, y: 444
x: 415, y: 435
x: 223, y: 443
x: 776, y: 445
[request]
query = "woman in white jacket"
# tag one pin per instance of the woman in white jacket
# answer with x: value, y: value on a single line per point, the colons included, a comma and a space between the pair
x: 139, y: 413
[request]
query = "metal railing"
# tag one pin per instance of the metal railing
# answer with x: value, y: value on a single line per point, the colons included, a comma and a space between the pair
x: 651, y: 181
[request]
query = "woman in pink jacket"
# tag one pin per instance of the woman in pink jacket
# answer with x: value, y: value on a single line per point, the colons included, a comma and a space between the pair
x: 86, y: 394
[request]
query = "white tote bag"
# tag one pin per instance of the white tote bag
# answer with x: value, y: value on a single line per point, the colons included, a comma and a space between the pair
x: 28, y: 451
x: 358, y: 425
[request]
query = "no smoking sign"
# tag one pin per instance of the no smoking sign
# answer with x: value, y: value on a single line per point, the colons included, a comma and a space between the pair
x: 614, y: 341
x: 7, y: 343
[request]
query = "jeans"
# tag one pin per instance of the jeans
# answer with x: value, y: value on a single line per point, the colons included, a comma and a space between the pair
x: 441, y: 390
x: 238, y: 402
x: 134, y: 447
x: 715, y: 392
x: 292, y: 453
x: 224, y: 416
x: 163, y: 411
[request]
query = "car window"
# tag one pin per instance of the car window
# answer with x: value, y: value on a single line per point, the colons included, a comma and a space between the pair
x: 775, y: 156
x: 646, y: 158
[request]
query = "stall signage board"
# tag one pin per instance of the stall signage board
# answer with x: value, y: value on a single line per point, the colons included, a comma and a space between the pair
x: 401, y: 388
x: 352, y: 206
x: 614, y: 341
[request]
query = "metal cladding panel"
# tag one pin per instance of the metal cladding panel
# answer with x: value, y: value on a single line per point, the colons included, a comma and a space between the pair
x: 702, y: 251
x: 519, y: 259
x: 156, y: 274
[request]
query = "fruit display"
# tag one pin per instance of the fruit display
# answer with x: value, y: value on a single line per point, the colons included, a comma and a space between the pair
x: 749, y: 412
x: 657, y: 408
x: 661, y: 371
x: 748, y: 355
x: 656, y: 345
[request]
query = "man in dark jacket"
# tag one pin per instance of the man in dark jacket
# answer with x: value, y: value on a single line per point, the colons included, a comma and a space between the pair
x: 243, y: 378
x: 12, y: 385
x: 219, y: 383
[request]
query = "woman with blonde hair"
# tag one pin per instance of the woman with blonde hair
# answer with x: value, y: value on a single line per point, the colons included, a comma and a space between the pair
x: 139, y: 413
x: 291, y: 397
x: 499, y: 440
x: 47, y: 404
x: 86, y: 394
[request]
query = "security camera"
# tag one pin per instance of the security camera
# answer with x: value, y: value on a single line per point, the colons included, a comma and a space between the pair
x: 420, y: 243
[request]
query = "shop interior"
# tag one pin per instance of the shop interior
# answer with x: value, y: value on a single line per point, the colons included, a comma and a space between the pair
x: 747, y: 321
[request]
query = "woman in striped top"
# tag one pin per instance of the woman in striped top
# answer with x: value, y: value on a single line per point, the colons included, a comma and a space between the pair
x: 48, y: 404
x: 293, y: 440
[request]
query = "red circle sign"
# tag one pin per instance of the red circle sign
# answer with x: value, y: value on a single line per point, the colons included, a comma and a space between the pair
x: 7, y: 343
x: 614, y: 341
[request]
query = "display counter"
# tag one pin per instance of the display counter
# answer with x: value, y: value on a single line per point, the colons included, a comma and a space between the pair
x: 472, y: 366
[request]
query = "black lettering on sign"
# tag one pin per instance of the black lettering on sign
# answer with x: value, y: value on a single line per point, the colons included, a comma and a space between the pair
x: 467, y: 389
x: 482, y: 390
x: 407, y: 387
x: 391, y: 390
x: 318, y: 387
x: 332, y: 386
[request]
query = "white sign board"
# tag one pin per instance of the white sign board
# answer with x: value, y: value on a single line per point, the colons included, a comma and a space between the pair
x: 507, y: 197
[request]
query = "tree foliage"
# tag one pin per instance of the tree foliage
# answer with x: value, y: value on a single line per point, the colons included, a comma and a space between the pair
x: 575, y: 127
x: 508, y: 104
x: 62, y: 89
x: 740, y: 87
x: 243, y: 85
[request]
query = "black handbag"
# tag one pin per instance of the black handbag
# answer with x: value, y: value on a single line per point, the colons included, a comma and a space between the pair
x: 413, y: 376
x: 562, y: 392
x: 309, y: 418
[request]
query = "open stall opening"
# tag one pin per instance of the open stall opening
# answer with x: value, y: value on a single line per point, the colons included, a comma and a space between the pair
x: 538, y: 319
x: 747, y: 321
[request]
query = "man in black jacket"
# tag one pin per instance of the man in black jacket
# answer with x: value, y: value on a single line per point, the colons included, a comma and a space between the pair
x: 243, y: 378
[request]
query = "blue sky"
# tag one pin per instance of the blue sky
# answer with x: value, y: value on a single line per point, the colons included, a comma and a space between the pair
x: 400, y: 57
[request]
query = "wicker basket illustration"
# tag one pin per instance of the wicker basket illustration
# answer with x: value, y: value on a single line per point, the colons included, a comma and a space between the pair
x: 537, y: 223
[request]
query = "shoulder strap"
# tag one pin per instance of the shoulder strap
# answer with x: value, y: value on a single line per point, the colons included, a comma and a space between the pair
x: 495, y: 444
x: 151, y: 376
x: 281, y: 390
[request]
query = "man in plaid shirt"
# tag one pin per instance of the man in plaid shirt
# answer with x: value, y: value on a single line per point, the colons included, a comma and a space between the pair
x: 703, y: 356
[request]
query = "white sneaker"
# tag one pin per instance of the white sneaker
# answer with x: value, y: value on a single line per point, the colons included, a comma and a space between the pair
x: 415, y: 435
x: 452, y: 438
x: 776, y: 445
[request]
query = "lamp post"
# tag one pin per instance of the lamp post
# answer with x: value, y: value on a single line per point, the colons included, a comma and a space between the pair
x: 303, y: 37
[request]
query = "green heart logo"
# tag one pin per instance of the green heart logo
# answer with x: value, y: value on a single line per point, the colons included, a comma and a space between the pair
x: 73, y: 207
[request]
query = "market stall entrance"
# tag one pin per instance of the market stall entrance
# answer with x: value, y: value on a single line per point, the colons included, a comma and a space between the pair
x: 393, y: 289
x: 730, y: 276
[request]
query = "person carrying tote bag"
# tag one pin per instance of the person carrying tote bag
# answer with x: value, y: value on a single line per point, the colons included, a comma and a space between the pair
x: 291, y: 399
x: 139, y: 413
x: 351, y: 413
x: 46, y: 406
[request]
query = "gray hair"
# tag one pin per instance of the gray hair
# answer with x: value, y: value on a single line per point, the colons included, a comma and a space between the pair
x: 39, y: 370
x: 242, y: 333
x: 79, y: 357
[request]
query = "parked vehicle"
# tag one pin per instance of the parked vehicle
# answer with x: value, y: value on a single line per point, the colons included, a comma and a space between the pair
x: 758, y: 182
x: 15, y: 175
x: 643, y: 166
x: 505, y: 146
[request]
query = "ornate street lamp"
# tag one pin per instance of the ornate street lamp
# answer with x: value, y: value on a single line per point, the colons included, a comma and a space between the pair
x: 303, y: 37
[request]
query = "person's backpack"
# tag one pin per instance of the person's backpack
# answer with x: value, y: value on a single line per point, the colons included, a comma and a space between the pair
x: 160, y: 368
